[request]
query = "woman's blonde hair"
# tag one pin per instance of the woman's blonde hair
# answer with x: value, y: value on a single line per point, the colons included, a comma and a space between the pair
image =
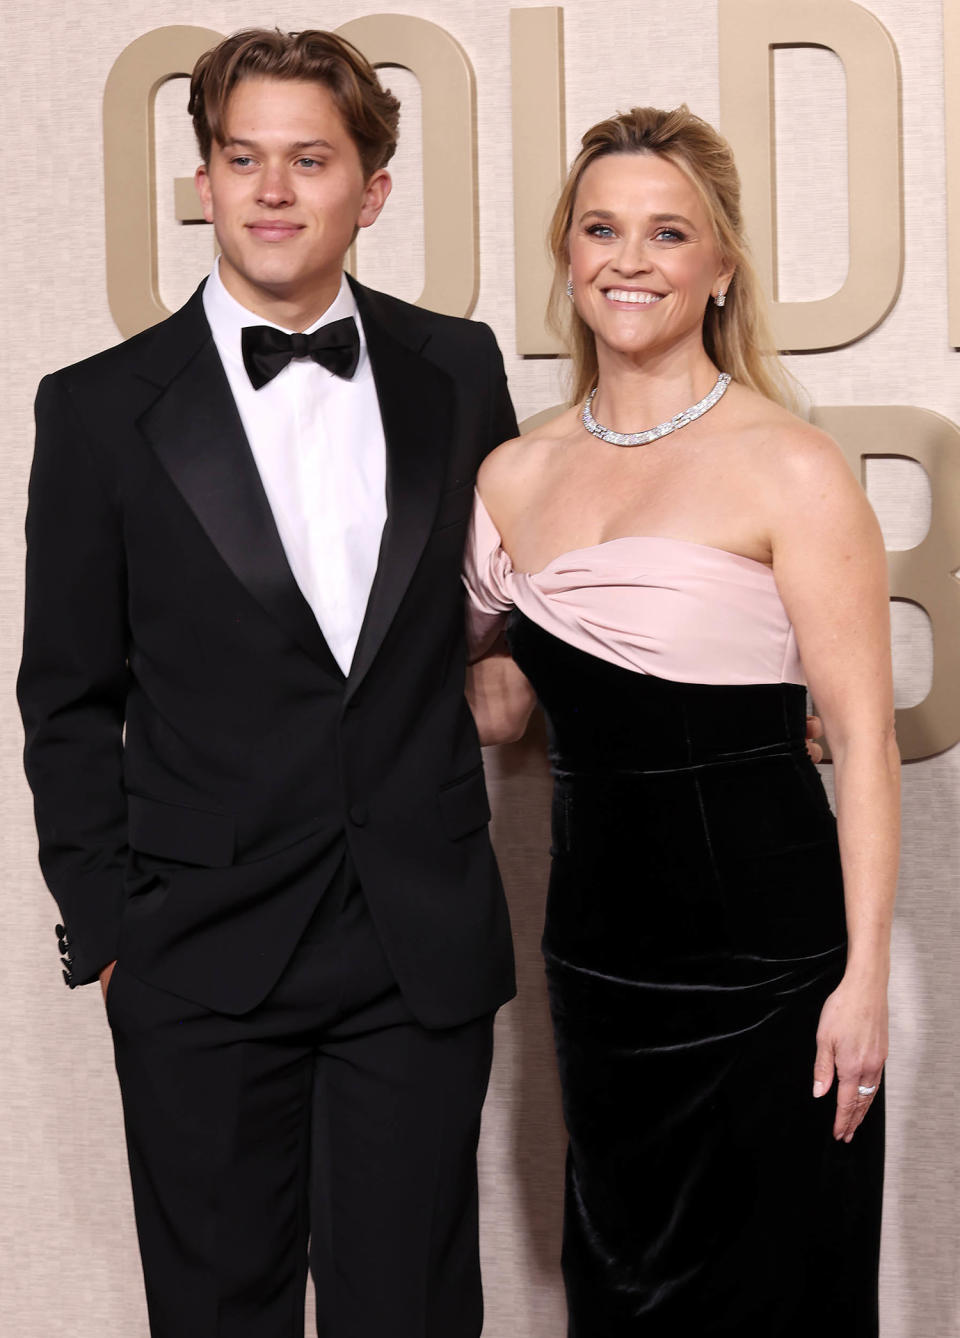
x: 736, y: 336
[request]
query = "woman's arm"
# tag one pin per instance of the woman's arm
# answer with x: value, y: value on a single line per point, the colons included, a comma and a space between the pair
x: 831, y: 571
x: 500, y: 697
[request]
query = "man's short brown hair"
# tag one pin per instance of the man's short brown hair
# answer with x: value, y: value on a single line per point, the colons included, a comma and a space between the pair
x: 370, y: 112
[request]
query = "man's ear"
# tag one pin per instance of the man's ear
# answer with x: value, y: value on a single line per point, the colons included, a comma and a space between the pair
x: 201, y: 179
x: 374, y: 197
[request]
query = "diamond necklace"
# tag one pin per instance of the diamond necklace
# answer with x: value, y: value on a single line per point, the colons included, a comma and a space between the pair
x: 662, y: 429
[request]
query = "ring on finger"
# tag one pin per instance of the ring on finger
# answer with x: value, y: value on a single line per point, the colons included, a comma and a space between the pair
x: 866, y: 1091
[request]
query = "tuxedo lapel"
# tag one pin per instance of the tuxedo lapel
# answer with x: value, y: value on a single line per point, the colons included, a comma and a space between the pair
x: 195, y: 429
x: 416, y: 407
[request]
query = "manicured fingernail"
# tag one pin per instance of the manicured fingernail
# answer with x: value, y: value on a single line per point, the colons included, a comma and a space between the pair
x: 818, y: 1088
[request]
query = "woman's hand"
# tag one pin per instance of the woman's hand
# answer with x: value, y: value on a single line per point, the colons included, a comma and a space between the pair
x: 852, y: 1041
x: 105, y: 975
x: 814, y: 732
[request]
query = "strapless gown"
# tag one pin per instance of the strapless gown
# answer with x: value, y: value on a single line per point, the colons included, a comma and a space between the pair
x: 694, y: 928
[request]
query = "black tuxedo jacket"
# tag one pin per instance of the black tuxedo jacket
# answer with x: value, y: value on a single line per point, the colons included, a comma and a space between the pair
x: 198, y: 760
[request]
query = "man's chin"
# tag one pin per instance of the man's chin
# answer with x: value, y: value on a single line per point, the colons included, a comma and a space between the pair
x: 272, y: 279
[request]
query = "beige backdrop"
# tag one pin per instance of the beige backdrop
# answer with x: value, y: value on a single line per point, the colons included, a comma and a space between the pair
x: 69, y: 1262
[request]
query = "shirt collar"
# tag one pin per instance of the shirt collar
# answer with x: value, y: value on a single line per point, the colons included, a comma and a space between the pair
x: 227, y: 317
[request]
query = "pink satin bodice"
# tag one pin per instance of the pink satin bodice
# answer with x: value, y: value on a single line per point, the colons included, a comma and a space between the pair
x: 668, y: 607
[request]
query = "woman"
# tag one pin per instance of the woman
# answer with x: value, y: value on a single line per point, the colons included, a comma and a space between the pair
x: 717, y: 945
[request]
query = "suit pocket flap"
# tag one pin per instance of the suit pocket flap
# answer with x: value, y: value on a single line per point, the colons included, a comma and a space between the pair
x: 464, y: 806
x: 189, y: 835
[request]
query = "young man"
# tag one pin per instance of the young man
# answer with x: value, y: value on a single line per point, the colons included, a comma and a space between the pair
x: 258, y: 786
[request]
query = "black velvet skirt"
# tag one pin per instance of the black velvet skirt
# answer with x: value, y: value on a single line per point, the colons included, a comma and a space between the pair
x: 694, y: 928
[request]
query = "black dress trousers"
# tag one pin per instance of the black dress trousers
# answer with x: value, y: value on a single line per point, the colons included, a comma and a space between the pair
x: 325, y: 1124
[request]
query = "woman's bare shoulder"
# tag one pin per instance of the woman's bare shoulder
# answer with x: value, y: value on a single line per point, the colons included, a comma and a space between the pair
x: 518, y: 463
x: 781, y: 445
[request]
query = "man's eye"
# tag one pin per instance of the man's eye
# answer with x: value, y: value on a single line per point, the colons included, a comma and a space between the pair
x: 309, y: 162
x: 241, y: 161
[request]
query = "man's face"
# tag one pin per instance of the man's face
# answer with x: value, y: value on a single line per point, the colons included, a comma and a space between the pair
x: 285, y: 194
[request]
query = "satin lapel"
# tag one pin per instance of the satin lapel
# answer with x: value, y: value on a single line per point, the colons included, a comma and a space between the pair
x: 196, y: 431
x: 416, y: 407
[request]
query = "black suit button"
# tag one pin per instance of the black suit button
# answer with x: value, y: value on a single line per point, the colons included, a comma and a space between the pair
x: 359, y: 815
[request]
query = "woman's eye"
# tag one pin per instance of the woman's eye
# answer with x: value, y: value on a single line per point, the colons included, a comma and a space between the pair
x: 669, y: 235
x: 600, y: 230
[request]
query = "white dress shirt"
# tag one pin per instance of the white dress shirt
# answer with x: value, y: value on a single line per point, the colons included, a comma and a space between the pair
x: 318, y: 443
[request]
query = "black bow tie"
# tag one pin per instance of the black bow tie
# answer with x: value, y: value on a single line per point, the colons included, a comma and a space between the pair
x: 267, y: 351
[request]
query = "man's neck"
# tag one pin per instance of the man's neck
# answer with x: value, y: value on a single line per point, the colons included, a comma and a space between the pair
x: 292, y: 311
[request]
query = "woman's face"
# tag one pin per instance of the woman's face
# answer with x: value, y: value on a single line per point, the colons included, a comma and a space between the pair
x: 643, y: 258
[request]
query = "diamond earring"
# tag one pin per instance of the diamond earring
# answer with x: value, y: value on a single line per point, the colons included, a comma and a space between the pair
x: 570, y: 289
x: 721, y: 297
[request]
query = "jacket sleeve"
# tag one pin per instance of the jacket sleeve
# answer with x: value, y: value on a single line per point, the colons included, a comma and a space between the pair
x: 73, y: 679
x: 503, y: 420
